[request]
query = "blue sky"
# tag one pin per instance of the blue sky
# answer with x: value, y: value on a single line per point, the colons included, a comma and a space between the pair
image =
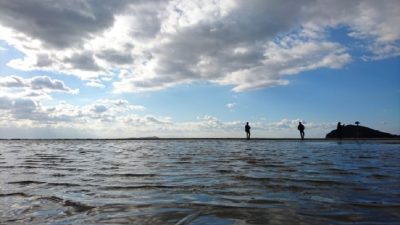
x: 106, y: 69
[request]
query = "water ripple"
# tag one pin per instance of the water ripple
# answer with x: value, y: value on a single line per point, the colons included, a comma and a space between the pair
x: 199, y: 182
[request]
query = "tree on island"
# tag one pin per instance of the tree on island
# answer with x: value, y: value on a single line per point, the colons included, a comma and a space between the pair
x: 357, y: 123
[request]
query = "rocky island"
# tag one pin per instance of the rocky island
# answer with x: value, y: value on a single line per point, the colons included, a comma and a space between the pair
x: 352, y: 131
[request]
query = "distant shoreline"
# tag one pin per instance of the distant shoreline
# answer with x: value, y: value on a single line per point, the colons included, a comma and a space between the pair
x: 395, y: 140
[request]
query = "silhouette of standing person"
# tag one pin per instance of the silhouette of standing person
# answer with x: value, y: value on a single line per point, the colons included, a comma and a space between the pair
x: 339, y: 130
x: 247, y: 129
x: 301, y: 129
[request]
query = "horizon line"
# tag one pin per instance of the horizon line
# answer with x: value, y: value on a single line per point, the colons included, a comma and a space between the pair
x: 208, y: 138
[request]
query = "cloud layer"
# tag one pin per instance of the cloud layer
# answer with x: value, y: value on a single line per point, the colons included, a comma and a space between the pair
x: 26, y: 118
x: 150, y: 45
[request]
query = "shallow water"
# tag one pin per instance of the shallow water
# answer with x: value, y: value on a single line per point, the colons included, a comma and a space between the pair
x: 199, y: 182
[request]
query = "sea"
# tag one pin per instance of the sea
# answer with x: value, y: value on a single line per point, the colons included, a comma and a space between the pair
x: 204, y: 181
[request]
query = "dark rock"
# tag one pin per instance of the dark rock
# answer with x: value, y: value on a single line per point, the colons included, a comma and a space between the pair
x: 351, y: 131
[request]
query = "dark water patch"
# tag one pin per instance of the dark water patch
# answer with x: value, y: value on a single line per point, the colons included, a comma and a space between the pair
x: 42, y: 165
x: 54, y: 164
x: 359, y: 188
x: 368, y: 168
x: 47, y: 155
x: 14, y: 151
x: 110, y: 168
x: 185, y: 159
x: 223, y: 192
x: 316, y: 182
x: 60, y: 159
x: 380, y: 176
x: 249, y: 178
x: 77, y: 206
x: 33, y: 161
x: 215, y: 161
x: 265, y: 202
x: 365, y: 157
x: 348, y: 217
x: 372, y: 204
x: 337, y: 171
x: 286, y: 188
x: 222, y: 171
x: 63, y: 184
x: 69, y: 169
x: 147, y: 187
x: 58, y: 175
x: 124, y: 175
x: 289, y: 169
x: 7, y: 167
x: 50, y: 158
x: 184, y: 162
x: 254, y: 161
x: 21, y: 194
x: 30, y: 164
x: 26, y: 182
x: 273, y: 165
x: 28, y: 167
x: 289, y: 182
x: 30, y: 182
x: 323, y: 163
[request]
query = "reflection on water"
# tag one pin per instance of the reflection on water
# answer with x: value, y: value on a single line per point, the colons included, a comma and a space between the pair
x: 199, y: 182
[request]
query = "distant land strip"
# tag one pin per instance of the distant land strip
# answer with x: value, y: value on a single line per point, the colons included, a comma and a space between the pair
x: 394, y: 140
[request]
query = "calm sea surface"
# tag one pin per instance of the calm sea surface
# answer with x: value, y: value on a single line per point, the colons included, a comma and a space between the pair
x: 199, y: 182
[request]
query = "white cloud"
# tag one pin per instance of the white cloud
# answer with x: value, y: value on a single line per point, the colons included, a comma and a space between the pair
x: 19, y: 109
x: 287, y: 57
x: 35, y: 87
x: 382, y: 51
x: 231, y: 106
x: 25, y: 112
x: 95, y: 83
x: 374, y: 23
x: 153, y: 45
x: 12, y: 81
x: 46, y: 83
x: 35, y: 83
x: 157, y: 120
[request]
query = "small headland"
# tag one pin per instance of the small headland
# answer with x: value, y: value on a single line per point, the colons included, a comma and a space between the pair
x: 361, y: 132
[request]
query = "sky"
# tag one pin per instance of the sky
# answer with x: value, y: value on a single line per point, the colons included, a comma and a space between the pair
x: 197, y: 68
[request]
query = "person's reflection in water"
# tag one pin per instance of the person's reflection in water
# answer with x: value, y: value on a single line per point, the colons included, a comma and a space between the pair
x: 247, y: 129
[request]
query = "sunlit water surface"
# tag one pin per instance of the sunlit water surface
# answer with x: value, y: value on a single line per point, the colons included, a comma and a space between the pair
x: 199, y: 182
